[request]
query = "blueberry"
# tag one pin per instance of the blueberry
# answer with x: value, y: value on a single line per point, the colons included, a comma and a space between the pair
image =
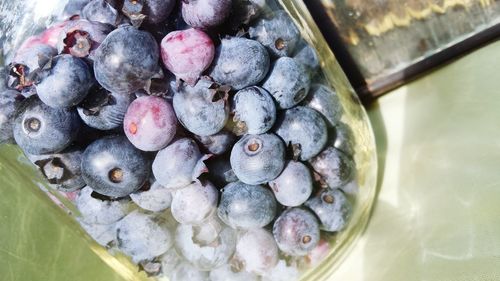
x: 257, y: 159
x: 194, y: 203
x: 226, y: 273
x: 202, y: 109
x: 65, y: 83
x: 81, y: 38
x: 40, y: 129
x: 296, y: 232
x: 246, y: 206
x: 151, y: 11
x: 204, y: 14
x: 126, y: 60
x: 344, y: 138
x: 278, y: 33
x: 288, y: 82
x: 256, y: 251
x: 307, y: 56
x: 205, y: 256
x: 293, y: 186
x: 240, y: 62
x: 100, y: 211
x: 112, y: 166
x: 324, y: 100
x: 220, y: 171
x: 179, y: 164
x: 62, y: 170
x: 103, y: 234
x: 26, y: 61
x: 156, y: 198
x: 142, y: 236
x: 332, y: 208
x: 8, y: 106
x: 218, y: 143
x: 74, y: 7
x: 104, y: 110
x: 101, y: 11
x: 187, y: 272
x: 150, y: 123
x: 254, y: 111
x: 334, y: 166
x: 170, y: 261
x: 187, y: 53
x: 303, y: 128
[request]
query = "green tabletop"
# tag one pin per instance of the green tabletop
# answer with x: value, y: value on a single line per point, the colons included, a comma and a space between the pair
x: 437, y: 216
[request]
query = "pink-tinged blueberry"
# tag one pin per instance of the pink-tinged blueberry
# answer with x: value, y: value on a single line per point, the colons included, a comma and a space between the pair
x: 187, y: 53
x: 205, y: 14
x: 296, y: 232
x: 179, y: 164
x: 294, y: 185
x: 334, y: 166
x: 150, y: 123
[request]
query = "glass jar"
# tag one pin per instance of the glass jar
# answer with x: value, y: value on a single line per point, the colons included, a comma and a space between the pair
x: 25, y: 18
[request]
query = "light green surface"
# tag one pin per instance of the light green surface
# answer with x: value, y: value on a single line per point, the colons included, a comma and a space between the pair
x: 438, y: 212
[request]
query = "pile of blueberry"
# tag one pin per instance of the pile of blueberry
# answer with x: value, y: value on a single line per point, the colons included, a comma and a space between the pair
x: 197, y: 137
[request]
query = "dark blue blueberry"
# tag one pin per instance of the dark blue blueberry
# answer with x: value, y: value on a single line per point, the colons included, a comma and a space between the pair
x: 288, y: 82
x: 8, y: 106
x: 81, y: 38
x: 217, y: 144
x: 112, y: 166
x: 65, y: 83
x: 220, y: 171
x: 40, y: 129
x: 254, y: 111
x: 201, y: 109
x: 257, y: 159
x: 101, y: 11
x: 278, y: 33
x: 296, y: 232
x: 26, y: 61
x: 246, y: 206
x: 126, y: 60
x: 240, y: 62
x: 62, y: 170
x: 332, y: 208
x: 344, y: 138
x: 204, y: 14
x: 324, y: 100
x: 149, y: 11
x: 334, y: 166
x: 303, y: 128
x: 179, y: 164
x: 104, y: 110
x: 294, y: 185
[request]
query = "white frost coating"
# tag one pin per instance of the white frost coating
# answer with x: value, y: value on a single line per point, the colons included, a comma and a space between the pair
x: 169, y: 261
x: 194, y: 203
x: 257, y: 251
x: 187, y: 272
x: 103, y: 234
x: 205, y: 256
x: 142, y: 236
x: 96, y: 211
x: 156, y: 199
x: 281, y: 272
x: 225, y: 273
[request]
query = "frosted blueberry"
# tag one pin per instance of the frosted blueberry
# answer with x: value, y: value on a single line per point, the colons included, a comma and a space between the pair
x: 29, y: 58
x: 246, y: 206
x: 179, y: 164
x: 194, y: 203
x: 169, y: 261
x: 156, y: 199
x: 103, y: 234
x: 187, y: 272
x: 256, y: 251
x: 227, y: 273
x: 205, y: 14
x: 332, y: 208
x: 303, y: 128
x: 278, y: 33
x: 288, y: 82
x: 201, y: 109
x: 218, y: 143
x: 324, y: 100
x: 257, y: 159
x: 149, y: 11
x: 254, y: 111
x: 142, y: 236
x: 296, y: 232
x: 293, y: 186
x: 240, y: 62
x: 334, y: 166
x: 100, y: 211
